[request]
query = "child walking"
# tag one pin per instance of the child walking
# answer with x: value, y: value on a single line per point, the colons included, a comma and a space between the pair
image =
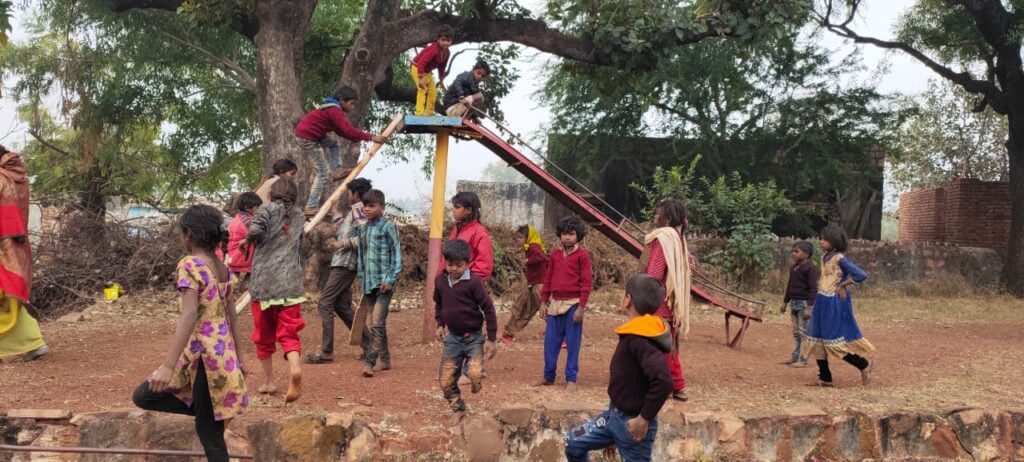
x: 336, y: 295
x: 276, y: 285
x: 466, y: 213
x: 527, y: 302
x: 639, y: 384
x: 202, y: 374
x: 433, y: 56
x: 669, y: 263
x: 801, y: 289
x: 380, y: 261
x: 461, y: 305
x: 282, y: 168
x: 567, y: 281
x: 241, y: 262
x: 832, y: 330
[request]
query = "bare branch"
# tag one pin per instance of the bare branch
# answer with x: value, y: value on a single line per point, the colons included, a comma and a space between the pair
x: 235, y: 70
x: 48, y: 144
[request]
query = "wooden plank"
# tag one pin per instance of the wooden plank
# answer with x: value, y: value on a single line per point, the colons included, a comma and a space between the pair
x: 355, y: 336
x: 39, y: 414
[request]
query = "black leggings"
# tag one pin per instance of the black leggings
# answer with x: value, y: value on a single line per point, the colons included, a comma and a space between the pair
x: 825, y: 375
x: 210, y: 430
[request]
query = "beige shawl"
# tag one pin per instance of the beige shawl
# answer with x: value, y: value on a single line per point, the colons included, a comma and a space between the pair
x: 677, y: 279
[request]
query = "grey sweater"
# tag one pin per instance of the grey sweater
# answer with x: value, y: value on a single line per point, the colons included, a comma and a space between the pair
x: 276, y: 265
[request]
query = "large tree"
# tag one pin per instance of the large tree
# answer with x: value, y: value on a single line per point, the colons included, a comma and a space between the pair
x: 975, y: 44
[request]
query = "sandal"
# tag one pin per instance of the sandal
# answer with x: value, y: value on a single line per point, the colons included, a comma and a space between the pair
x: 317, y: 358
x: 680, y: 396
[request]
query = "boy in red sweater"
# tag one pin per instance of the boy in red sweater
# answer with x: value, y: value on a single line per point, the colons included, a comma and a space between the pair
x: 433, y: 56
x: 568, y: 281
x: 241, y: 262
x: 461, y: 305
x: 528, y: 301
x: 313, y: 128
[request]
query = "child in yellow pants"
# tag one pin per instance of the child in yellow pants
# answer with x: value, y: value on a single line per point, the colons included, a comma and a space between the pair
x: 434, y: 56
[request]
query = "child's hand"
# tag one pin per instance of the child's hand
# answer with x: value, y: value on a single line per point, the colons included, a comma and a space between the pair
x: 244, y: 245
x: 380, y: 139
x: 490, y: 349
x: 807, y: 313
x: 842, y: 292
x: 543, y: 311
x: 441, y: 332
x: 422, y: 82
x: 385, y: 288
x: 782, y: 309
x: 577, y: 317
x: 243, y: 369
x: 160, y: 379
x: 637, y: 428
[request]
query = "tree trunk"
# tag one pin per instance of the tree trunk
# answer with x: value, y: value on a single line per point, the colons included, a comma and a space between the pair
x: 1013, y: 268
x: 93, y: 198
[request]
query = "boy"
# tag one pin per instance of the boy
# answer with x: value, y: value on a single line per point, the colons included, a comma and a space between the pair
x: 639, y: 382
x: 336, y: 296
x: 313, y: 128
x: 465, y: 92
x: 568, y: 281
x: 461, y: 305
x: 433, y: 56
x: 380, y: 261
x: 801, y: 289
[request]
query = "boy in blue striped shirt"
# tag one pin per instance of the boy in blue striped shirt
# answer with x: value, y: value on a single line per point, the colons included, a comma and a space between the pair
x: 380, y: 261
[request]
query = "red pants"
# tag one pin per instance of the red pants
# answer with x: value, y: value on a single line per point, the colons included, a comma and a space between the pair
x: 675, y: 368
x: 277, y: 324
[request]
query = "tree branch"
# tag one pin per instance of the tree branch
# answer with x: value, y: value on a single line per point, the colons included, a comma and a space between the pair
x: 48, y: 144
x: 238, y: 73
x: 120, y: 6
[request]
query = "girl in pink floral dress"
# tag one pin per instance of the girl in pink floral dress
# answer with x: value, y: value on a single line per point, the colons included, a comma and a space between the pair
x: 202, y: 373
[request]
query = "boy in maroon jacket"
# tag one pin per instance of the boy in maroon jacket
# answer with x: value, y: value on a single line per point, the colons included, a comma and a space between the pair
x: 567, y: 281
x: 639, y: 382
x: 460, y: 307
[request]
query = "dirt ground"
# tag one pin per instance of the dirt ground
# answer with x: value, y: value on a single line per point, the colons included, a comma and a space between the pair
x: 933, y: 353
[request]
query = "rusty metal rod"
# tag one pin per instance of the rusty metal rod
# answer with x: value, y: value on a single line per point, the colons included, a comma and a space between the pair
x: 126, y: 451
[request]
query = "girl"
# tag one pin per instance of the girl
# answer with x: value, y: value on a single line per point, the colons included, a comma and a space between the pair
x: 202, y: 373
x: 528, y: 301
x: 669, y: 262
x: 241, y: 262
x: 832, y: 330
x: 466, y: 213
x: 276, y: 284
x: 283, y: 168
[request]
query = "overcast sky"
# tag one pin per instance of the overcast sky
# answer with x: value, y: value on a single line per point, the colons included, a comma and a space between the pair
x: 527, y: 116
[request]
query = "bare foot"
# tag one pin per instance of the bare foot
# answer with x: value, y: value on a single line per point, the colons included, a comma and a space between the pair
x: 267, y: 389
x: 476, y: 385
x: 865, y: 375
x: 572, y: 387
x: 294, y: 387
x: 543, y: 383
x: 368, y: 371
x: 457, y: 418
x: 382, y: 366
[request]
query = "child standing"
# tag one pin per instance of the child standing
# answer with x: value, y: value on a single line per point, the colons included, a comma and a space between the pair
x: 528, y: 301
x: 832, y: 330
x: 276, y: 284
x: 461, y: 305
x: 336, y: 296
x: 568, y: 281
x: 639, y: 383
x: 202, y: 373
x: 801, y: 289
x: 241, y: 262
x: 433, y: 56
x: 466, y: 213
x: 282, y: 168
x: 669, y: 263
x: 380, y: 261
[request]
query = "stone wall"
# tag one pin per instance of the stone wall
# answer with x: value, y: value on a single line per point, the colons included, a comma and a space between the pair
x: 965, y: 212
x: 512, y: 204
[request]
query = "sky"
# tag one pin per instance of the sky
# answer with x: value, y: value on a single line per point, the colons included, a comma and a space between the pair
x: 525, y: 115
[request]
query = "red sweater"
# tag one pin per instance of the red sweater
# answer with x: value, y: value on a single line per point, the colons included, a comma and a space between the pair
x: 536, y: 265
x: 315, y: 125
x: 481, y: 253
x: 241, y: 262
x: 432, y: 57
x: 568, y: 276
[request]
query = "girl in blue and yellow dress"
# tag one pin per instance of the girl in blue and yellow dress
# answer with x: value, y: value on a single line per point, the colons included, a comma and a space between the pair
x: 832, y: 330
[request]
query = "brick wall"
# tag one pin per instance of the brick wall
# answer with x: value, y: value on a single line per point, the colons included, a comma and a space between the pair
x: 966, y: 212
x: 512, y: 204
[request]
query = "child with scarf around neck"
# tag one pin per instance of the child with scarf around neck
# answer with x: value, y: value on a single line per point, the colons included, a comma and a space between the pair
x: 527, y: 302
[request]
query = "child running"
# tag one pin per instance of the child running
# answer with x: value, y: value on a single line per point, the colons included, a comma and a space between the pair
x: 527, y: 302
x: 639, y: 384
x: 669, y: 263
x: 202, y: 374
x: 282, y: 168
x: 466, y: 213
x: 461, y: 305
x: 801, y: 289
x: 832, y: 330
x: 241, y: 262
x: 276, y: 284
x: 433, y: 56
x: 567, y: 281
x: 380, y: 261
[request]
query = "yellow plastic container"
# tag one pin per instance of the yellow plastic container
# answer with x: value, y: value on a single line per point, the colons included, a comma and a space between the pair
x: 113, y: 292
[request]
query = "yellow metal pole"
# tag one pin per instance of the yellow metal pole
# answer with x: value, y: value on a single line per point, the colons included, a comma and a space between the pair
x: 436, y: 232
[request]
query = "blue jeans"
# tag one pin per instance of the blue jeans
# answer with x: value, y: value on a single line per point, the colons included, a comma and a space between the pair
x: 378, y: 349
x: 606, y: 430
x: 458, y: 350
x: 796, y: 315
x: 558, y: 329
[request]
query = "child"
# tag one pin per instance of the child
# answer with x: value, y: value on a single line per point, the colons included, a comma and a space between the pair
x: 202, y: 373
x: 528, y: 301
x: 639, y: 384
x: 276, y: 284
x: 282, y: 168
x: 241, y: 262
x: 466, y: 213
x: 669, y: 263
x: 433, y: 56
x: 312, y: 129
x: 832, y: 330
x: 801, y: 289
x: 465, y: 92
x: 336, y: 295
x: 460, y: 307
x: 380, y: 261
x: 568, y: 281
